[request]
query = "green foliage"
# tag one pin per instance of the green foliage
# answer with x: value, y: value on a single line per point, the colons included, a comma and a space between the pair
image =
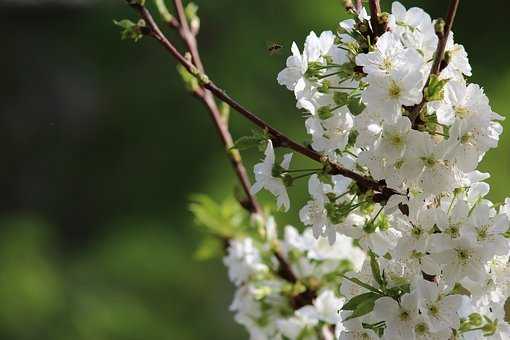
x: 224, y: 220
x: 210, y: 248
x: 191, y: 14
x: 131, y: 30
x: 363, y: 306
x: 189, y: 80
x: 258, y: 139
x: 355, y: 105
x: 163, y: 10
x: 376, y: 271
x: 353, y: 303
x: 435, y: 88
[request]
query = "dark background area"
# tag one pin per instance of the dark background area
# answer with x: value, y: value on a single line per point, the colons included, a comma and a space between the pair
x: 102, y: 147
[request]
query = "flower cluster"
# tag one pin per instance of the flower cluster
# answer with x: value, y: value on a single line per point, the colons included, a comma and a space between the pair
x: 288, y: 289
x: 437, y: 252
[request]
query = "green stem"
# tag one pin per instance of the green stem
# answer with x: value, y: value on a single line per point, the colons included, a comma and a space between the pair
x: 305, y: 175
x: 329, y: 75
x: 342, y: 88
x: 301, y: 170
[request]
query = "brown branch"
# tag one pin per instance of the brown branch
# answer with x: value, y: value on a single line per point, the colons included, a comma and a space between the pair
x: 438, y: 60
x: 205, y: 96
x: 278, y: 137
x: 359, y: 5
x: 443, y: 37
x: 375, y: 12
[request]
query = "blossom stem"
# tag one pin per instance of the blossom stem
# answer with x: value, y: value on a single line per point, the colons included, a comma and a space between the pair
x: 359, y: 5
x: 377, y: 215
x: 304, y: 175
x: 278, y: 137
x: 341, y: 88
x: 302, y: 170
x: 329, y: 75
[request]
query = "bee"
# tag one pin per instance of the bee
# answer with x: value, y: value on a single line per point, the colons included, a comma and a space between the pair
x: 274, y: 48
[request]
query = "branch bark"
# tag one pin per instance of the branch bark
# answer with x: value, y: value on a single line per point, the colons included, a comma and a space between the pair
x: 203, y: 95
x: 375, y: 11
x: 279, y: 138
x: 438, y: 59
x: 443, y: 37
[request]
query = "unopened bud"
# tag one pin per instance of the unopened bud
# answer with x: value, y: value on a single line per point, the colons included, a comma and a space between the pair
x: 475, y: 319
x: 348, y: 5
x: 324, y: 88
x: 324, y: 112
x: 439, y: 26
x: 288, y: 180
x: 383, y: 18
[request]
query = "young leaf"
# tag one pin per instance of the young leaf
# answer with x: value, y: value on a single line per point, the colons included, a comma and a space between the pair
x: 376, y: 271
x: 362, y: 309
x: 362, y: 284
x: 256, y: 140
x: 224, y: 220
x: 353, y: 303
x: 355, y: 105
x: 131, y: 30
x: 209, y: 248
x: 435, y: 90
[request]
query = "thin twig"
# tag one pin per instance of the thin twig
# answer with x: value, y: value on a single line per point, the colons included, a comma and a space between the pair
x: 359, y: 5
x: 205, y: 96
x: 443, y: 37
x: 375, y: 11
x: 278, y: 137
x: 438, y: 60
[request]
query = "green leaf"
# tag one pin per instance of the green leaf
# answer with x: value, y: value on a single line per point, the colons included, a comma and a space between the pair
x: 256, y: 140
x: 341, y: 98
x: 224, y: 220
x: 363, y: 308
x: 163, y: 10
x: 353, y: 303
x: 131, y: 30
x: 209, y: 248
x: 376, y: 270
x: 435, y: 89
x: 192, y: 16
x: 398, y: 291
x: 355, y: 105
x: 362, y: 284
x: 190, y: 81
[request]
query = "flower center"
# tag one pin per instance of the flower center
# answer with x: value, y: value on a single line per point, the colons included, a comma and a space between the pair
x: 416, y: 232
x: 482, y: 233
x: 429, y: 161
x: 394, y: 90
x: 396, y: 140
x: 453, y: 231
x: 463, y: 255
x: 404, y: 316
x: 421, y: 328
x: 461, y: 111
x: 466, y: 138
x: 387, y: 64
x: 433, y: 310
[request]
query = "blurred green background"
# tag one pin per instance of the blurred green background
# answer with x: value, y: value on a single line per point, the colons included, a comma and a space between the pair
x: 101, y: 148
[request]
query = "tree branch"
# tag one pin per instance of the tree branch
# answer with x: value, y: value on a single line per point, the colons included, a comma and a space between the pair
x: 278, y: 137
x: 359, y: 5
x: 438, y: 59
x: 375, y: 12
x: 205, y: 96
x: 443, y: 37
